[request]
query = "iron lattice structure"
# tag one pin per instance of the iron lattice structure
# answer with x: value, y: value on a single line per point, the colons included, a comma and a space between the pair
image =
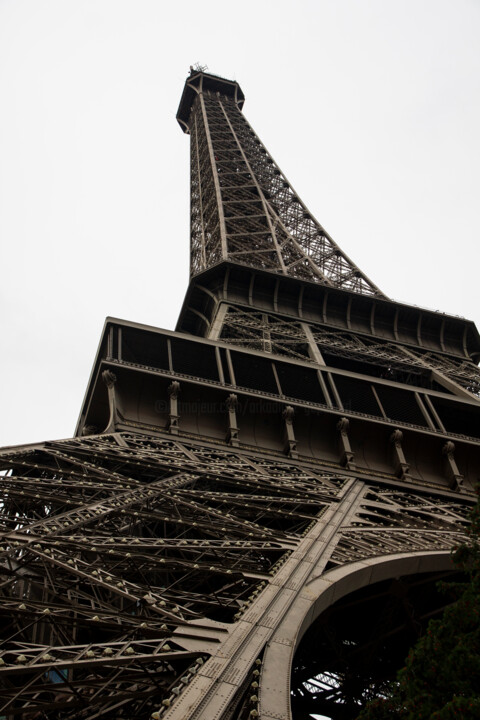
x: 243, y: 207
x: 275, y: 334
x: 300, y: 447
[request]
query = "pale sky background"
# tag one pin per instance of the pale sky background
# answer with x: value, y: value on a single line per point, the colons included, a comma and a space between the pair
x: 371, y: 108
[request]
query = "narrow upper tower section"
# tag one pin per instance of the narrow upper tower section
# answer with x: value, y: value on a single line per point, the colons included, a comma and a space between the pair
x: 243, y: 209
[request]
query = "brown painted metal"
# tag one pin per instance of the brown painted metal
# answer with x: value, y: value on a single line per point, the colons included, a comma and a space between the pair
x: 242, y: 207
x: 299, y: 438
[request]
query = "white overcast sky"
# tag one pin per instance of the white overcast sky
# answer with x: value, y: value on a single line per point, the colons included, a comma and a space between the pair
x: 371, y: 108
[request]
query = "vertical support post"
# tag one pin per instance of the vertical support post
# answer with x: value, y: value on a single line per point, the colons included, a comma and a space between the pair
x: 232, y: 431
x: 402, y: 468
x: 218, y: 193
x: 335, y: 394
x: 313, y: 349
x: 289, y: 434
x: 219, y: 321
x: 109, y: 378
x: 455, y: 480
x: 110, y: 343
x: 173, y: 392
x: 119, y: 343
x: 346, y: 453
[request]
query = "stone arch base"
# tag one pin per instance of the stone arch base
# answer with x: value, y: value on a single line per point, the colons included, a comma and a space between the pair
x: 317, y: 595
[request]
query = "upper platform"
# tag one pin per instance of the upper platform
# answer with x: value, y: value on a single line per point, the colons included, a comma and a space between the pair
x: 372, y: 318
x: 199, y: 82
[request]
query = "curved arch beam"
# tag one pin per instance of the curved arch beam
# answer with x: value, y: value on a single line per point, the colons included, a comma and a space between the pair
x: 316, y: 596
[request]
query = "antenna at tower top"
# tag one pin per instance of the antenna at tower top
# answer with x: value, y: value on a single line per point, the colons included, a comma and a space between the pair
x: 198, y: 68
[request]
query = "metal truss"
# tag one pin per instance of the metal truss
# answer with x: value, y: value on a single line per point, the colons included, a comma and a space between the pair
x: 126, y: 560
x: 391, y: 521
x: 272, y: 333
x: 266, y: 332
x: 244, y: 210
x: 463, y: 372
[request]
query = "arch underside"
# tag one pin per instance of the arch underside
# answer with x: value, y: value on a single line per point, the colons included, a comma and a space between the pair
x: 348, y: 633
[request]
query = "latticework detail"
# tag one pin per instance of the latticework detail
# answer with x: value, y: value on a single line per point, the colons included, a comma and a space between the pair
x: 116, y: 548
x: 273, y: 333
x: 266, y: 332
x: 112, y: 544
x: 390, y: 522
x: 244, y: 210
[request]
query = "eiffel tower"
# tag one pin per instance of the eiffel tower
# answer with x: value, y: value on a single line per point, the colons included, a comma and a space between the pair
x: 252, y: 514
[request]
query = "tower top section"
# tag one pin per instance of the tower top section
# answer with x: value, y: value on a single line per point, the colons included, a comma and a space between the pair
x: 243, y: 209
x: 200, y: 81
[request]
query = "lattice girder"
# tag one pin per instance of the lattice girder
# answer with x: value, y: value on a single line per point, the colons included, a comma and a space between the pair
x: 271, y: 333
x: 244, y: 210
x: 127, y: 559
